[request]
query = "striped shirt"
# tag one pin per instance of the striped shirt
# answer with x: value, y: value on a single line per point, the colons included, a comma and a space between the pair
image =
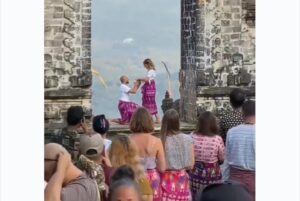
x: 240, y: 147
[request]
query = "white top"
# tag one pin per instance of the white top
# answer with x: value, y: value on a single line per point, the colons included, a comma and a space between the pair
x: 124, y: 89
x: 107, y: 144
x: 151, y: 74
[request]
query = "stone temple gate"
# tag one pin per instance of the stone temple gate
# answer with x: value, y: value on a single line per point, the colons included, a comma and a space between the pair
x: 217, y: 54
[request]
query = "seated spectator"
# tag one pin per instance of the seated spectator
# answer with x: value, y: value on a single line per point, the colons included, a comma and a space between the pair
x: 150, y: 148
x: 123, y: 151
x: 233, y: 116
x: 65, y: 182
x: 229, y: 191
x: 209, y: 153
x: 124, y: 187
x: 70, y: 134
x: 92, y: 160
x: 101, y: 126
x: 179, y: 151
x: 240, y: 149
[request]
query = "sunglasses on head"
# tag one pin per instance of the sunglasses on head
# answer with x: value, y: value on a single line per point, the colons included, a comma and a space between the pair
x: 49, y: 159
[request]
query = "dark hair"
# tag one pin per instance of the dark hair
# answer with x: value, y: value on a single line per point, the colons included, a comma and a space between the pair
x: 141, y: 121
x: 249, y: 108
x: 207, y: 124
x: 75, y: 115
x: 100, y: 124
x: 170, y: 124
x: 122, y: 172
x: 237, y: 97
x: 227, y: 191
x: 123, y: 176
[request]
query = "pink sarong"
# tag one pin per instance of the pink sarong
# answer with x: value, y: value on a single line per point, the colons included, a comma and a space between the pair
x: 175, y: 186
x: 246, y: 177
x: 126, y: 110
x: 154, y: 179
x: 148, y: 99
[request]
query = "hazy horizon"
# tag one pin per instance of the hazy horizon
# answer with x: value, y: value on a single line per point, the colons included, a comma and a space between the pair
x: 124, y: 33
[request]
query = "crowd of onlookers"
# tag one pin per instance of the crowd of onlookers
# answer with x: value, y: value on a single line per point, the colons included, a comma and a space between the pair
x: 141, y: 167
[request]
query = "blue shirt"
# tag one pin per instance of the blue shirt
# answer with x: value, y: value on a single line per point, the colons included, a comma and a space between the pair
x: 240, y: 147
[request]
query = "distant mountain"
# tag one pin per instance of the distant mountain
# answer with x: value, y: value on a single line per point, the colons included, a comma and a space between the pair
x: 105, y: 100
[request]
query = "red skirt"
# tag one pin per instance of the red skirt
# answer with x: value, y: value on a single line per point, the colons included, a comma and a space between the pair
x: 246, y: 177
x: 154, y: 179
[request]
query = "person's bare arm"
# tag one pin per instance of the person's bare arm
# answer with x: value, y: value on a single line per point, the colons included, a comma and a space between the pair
x: 221, y: 152
x: 54, y: 186
x: 84, y: 128
x: 161, y: 161
x: 135, y: 88
x: 145, y: 79
x: 193, y: 157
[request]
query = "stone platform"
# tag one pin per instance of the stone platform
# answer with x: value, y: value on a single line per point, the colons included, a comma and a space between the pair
x: 118, y: 128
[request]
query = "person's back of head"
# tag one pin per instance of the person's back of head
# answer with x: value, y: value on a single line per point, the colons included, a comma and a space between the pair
x: 237, y: 97
x: 229, y: 191
x: 91, y: 146
x: 207, y: 124
x: 123, y: 186
x: 122, y: 172
x: 248, y: 109
x: 75, y: 115
x: 100, y: 124
x: 51, y: 153
x: 170, y: 124
x: 141, y: 121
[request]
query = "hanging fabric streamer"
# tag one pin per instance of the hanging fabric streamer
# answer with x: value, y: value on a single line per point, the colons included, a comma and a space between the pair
x: 169, y: 79
x: 99, y: 77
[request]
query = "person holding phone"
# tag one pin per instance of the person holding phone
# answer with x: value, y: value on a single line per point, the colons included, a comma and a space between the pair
x: 76, y: 125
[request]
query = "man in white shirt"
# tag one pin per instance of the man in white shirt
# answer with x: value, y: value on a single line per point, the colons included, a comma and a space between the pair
x: 126, y: 107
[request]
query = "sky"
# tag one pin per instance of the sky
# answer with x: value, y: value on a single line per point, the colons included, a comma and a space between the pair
x: 124, y: 33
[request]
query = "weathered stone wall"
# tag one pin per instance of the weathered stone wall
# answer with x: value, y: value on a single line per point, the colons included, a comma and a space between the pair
x: 190, y: 40
x: 218, y: 53
x: 67, y: 59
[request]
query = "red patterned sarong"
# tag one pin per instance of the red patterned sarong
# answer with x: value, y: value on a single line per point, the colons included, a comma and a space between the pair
x: 204, y: 174
x: 246, y: 177
x: 126, y: 110
x: 154, y: 179
x: 175, y: 186
x: 148, y: 99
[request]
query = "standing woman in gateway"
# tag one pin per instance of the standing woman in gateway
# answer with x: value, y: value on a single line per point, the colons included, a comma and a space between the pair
x: 149, y: 89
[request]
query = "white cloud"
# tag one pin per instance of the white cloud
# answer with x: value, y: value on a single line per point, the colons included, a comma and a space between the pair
x: 128, y: 40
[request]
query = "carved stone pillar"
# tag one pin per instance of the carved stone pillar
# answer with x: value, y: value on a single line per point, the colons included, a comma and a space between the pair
x: 67, y: 60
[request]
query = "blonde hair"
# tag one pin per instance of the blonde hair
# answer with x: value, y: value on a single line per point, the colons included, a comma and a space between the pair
x: 141, y: 121
x: 123, y: 151
x: 149, y: 64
